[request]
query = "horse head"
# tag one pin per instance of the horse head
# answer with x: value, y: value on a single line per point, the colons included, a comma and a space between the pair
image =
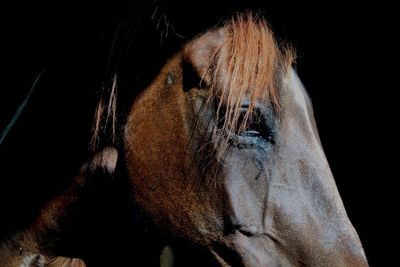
x: 223, y: 151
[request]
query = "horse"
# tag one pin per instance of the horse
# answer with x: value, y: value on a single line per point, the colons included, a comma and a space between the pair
x: 222, y: 153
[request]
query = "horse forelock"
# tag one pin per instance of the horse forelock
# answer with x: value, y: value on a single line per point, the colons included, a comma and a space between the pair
x: 247, y: 63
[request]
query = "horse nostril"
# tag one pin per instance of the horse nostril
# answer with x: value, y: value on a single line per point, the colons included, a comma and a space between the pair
x: 248, y: 231
x: 245, y: 231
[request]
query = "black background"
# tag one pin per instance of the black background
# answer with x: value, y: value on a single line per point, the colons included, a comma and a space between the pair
x: 340, y: 60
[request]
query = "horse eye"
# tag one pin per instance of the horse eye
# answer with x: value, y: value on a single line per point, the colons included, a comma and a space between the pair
x: 255, y: 126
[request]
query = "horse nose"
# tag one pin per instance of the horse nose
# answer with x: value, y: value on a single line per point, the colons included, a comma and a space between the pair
x: 327, y: 245
x: 350, y: 254
x: 347, y: 251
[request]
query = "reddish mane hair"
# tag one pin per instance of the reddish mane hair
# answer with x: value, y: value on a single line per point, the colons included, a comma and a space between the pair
x: 248, y: 63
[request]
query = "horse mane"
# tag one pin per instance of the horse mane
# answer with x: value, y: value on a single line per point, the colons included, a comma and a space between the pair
x: 248, y: 63
x: 106, y: 115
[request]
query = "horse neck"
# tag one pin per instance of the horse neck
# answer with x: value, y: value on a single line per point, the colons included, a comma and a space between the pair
x: 36, y: 244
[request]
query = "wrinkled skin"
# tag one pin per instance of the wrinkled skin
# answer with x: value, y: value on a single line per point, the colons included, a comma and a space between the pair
x: 260, y: 204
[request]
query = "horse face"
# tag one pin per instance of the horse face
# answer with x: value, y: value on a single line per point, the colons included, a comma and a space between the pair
x: 280, y: 202
x: 267, y: 199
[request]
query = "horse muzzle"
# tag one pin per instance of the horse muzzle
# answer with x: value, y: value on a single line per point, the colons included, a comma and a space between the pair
x: 268, y: 249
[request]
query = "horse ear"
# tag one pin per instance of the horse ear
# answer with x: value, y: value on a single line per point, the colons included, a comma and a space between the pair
x: 200, y: 52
